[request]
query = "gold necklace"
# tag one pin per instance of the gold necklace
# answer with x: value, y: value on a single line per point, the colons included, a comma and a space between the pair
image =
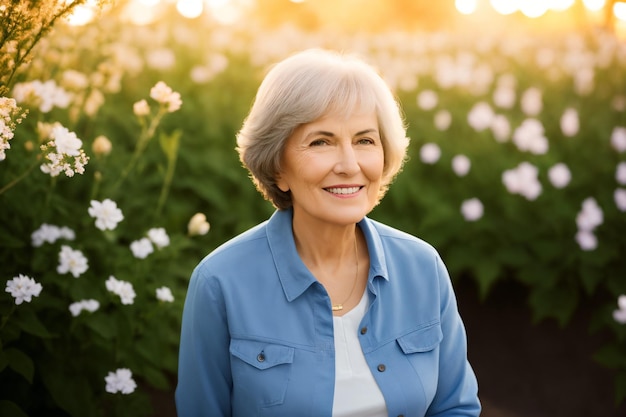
x: 339, y: 307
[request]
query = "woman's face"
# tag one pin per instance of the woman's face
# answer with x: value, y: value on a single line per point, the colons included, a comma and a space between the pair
x: 333, y: 168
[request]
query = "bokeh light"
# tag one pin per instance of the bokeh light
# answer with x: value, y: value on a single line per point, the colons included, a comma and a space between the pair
x: 505, y: 7
x: 190, y: 8
x: 619, y: 9
x: 594, y: 5
x: 533, y: 8
x: 466, y: 6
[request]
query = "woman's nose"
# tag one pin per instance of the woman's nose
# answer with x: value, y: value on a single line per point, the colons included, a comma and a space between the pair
x: 347, y: 162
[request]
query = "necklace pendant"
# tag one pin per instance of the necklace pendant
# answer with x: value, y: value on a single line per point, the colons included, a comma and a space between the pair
x: 337, y: 307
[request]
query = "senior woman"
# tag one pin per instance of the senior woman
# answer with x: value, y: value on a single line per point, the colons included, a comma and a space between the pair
x: 321, y: 311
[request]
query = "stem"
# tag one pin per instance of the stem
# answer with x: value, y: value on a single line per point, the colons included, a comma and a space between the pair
x: 169, y: 174
x: 18, y: 179
x: 145, y: 137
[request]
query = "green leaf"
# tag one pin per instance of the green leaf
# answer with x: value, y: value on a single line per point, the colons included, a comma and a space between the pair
x: 21, y: 363
x: 9, y: 408
x: 486, y: 274
x: 557, y: 302
x: 72, y: 393
x: 156, y: 378
x: 611, y: 356
x: 102, y: 325
x: 30, y: 323
x: 590, y: 278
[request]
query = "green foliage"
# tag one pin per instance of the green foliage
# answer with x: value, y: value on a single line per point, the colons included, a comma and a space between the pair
x: 165, y: 167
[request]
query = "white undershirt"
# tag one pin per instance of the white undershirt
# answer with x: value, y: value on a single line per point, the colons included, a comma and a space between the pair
x: 356, y: 391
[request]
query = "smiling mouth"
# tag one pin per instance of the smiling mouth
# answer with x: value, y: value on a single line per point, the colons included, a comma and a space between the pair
x: 343, y: 190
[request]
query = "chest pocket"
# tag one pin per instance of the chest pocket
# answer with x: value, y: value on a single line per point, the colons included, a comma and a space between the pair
x: 421, y: 340
x: 260, y: 371
x: 420, y: 348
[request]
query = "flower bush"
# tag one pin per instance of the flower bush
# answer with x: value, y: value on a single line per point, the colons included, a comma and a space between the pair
x: 122, y: 146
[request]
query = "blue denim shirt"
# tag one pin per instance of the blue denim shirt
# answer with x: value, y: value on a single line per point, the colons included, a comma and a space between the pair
x: 257, y: 331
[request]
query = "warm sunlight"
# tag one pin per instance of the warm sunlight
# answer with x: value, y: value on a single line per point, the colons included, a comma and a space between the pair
x: 83, y: 13
x: 190, y: 8
x: 594, y: 5
x: 466, y: 6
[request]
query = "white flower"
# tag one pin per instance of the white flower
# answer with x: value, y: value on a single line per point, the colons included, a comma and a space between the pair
x: 461, y: 165
x: 120, y: 381
x: 620, y: 173
x: 620, y: 198
x: 590, y: 216
x: 123, y: 289
x: 586, y: 240
x: 141, y: 248
x: 198, y: 225
x: 619, y: 315
x: 23, y: 288
x: 443, y: 119
x: 430, y: 153
x: 529, y: 136
x: 504, y: 96
x: 106, y: 213
x: 101, y: 146
x: 66, y: 142
x: 63, y: 153
x: 570, y: 123
x: 50, y: 233
x: 141, y: 108
x: 164, y: 95
x: 46, y: 95
x: 559, y: 175
x: 159, y: 237
x: 427, y: 100
x: 72, y: 261
x: 480, y: 116
x: 618, y: 139
x: 89, y: 305
x: 531, y: 101
x: 472, y: 209
x: 164, y: 294
x: 523, y: 180
x: 501, y: 128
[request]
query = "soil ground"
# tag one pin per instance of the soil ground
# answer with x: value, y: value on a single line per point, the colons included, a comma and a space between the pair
x: 523, y: 369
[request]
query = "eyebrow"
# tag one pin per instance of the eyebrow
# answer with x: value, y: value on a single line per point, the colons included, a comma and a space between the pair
x: 331, y: 134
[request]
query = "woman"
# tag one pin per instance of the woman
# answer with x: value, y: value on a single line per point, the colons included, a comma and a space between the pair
x: 321, y: 311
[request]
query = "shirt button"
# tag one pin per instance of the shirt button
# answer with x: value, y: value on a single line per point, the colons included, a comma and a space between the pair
x: 261, y: 357
x: 363, y: 330
x: 381, y: 368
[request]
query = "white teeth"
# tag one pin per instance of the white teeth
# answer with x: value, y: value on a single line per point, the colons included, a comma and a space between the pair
x: 344, y: 190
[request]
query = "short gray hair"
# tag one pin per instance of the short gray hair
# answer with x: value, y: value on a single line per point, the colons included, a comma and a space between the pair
x: 303, y: 88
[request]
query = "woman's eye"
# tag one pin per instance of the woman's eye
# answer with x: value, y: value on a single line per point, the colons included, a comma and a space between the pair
x: 365, y: 141
x: 318, y: 142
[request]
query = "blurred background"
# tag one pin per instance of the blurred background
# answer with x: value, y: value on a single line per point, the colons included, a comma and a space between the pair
x: 516, y: 112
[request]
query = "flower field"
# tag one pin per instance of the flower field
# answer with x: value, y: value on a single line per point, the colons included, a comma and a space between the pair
x: 118, y: 174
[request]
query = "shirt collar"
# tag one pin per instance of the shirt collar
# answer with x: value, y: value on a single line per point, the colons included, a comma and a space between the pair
x: 294, y: 276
